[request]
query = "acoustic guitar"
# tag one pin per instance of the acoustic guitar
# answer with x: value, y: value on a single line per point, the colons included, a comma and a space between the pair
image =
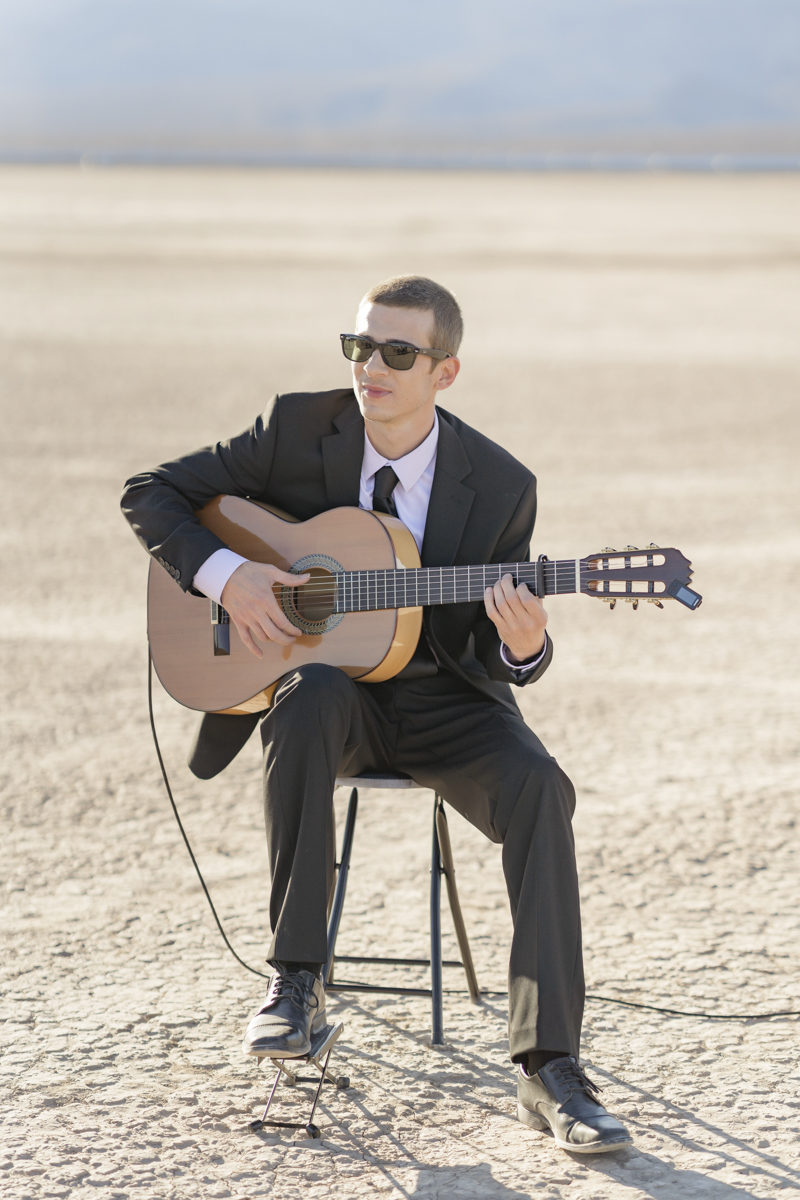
x: 361, y: 610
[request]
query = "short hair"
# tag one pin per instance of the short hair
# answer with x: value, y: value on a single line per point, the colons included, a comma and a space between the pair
x: 415, y: 291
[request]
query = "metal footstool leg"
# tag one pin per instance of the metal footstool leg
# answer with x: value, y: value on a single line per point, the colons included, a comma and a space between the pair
x: 441, y: 864
x: 437, y: 1019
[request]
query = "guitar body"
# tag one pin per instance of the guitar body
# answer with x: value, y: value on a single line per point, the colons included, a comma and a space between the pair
x: 361, y: 609
x: 369, y: 646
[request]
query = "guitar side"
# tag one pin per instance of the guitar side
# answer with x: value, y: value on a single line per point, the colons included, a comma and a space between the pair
x: 368, y: 645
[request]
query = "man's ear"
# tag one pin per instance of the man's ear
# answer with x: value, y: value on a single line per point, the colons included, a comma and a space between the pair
x: 449, y: 369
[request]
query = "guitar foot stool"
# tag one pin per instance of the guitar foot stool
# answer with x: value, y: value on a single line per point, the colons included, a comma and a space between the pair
x: 319, y: 1055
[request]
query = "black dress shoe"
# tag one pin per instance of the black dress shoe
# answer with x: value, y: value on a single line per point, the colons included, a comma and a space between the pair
x: 293, y: 1010
x: 561, y: 1098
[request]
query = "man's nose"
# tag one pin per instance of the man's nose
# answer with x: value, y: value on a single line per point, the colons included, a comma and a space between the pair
x: 375, y: 363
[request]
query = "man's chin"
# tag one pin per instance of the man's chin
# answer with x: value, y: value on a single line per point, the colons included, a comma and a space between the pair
x: 373, y: 410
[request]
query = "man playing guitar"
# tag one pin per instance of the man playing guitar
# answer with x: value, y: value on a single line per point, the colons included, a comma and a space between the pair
x: 448, y: 719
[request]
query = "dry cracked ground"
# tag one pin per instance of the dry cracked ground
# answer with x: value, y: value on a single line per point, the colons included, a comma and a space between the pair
x: 633, y: 339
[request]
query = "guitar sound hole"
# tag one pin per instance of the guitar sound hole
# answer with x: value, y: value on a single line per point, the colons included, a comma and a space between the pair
x: 315, y: 601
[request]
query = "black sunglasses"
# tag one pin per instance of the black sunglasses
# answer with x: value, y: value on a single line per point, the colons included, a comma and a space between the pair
x: 397, y: 355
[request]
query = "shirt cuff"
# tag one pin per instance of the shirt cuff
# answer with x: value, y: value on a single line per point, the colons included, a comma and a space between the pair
x: 215, y: 573
x: 522, y: 669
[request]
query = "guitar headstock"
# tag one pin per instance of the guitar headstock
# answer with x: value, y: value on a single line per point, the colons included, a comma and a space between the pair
x: 654, y: 574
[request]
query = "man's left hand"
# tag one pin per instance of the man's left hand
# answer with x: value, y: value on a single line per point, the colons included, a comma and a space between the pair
x: 519, y: 616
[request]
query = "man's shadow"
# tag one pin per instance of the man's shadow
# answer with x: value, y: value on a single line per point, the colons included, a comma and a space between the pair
x: 679, y: 1181
x: 667, y: 1179
x: 479, y: 1180
x: 470, y: 1178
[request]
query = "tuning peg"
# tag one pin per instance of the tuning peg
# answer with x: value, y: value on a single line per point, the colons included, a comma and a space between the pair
x: 611, y: 603
x: 657, y: 603
x: 635, y: 603
x: 653, y: 546
x: 630, y: 547
x: 608, y: 550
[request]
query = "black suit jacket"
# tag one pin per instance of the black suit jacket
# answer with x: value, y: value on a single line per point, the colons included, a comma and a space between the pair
x: 304, y: 456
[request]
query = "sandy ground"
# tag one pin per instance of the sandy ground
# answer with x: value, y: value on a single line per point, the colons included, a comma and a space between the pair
x: 633, y: 339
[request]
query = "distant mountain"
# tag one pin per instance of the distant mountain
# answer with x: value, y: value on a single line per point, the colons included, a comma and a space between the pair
x: 393, y: 79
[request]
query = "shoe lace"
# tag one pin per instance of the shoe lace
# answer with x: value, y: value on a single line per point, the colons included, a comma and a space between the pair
x: 573, y: 1077
x: 294, y: 986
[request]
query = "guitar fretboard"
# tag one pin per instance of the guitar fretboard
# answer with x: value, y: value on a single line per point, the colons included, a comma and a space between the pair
x: 362, y: 591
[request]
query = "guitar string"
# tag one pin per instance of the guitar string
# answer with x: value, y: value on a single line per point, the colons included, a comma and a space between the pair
x: 673, y: 1012
x: 461, y: 575
x: 359, y: 591
x: 550, y: 567
x: 401, y: 576
x: 412, y: 577
x: 425, y: 592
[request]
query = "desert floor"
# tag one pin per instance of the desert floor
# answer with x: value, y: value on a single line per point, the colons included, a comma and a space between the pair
x: 633, y: 339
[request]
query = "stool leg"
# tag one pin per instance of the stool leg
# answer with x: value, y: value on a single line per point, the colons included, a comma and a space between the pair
x: 437, y: 1021
x: 341, y: 884
x: 449, y: 869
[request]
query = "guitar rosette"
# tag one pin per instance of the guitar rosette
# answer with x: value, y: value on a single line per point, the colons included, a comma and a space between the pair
x: 310, y: 607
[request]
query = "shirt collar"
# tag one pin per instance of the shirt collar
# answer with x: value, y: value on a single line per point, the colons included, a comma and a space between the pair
x: 410, y: 468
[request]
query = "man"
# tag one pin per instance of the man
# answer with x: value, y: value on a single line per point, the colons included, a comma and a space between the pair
x: 448, y: 719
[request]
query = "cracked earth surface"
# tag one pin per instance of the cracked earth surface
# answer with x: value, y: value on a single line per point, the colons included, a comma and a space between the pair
x: 630, y: 338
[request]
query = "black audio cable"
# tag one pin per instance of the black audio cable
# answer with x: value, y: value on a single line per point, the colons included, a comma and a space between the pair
x: 246, y: 966
x: 672, y: 1012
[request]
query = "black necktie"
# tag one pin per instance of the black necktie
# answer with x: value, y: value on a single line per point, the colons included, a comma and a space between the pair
x: 385, y: 483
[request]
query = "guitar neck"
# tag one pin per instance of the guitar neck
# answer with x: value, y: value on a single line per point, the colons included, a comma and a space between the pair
x: 363, y: 591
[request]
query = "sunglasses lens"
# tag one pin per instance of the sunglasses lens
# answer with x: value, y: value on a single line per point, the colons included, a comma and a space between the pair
x: 357, y: 349
x: 399, y: 358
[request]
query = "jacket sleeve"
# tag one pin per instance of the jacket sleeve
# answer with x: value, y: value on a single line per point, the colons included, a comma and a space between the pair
x: 513, y: 545
x: 161, y: 504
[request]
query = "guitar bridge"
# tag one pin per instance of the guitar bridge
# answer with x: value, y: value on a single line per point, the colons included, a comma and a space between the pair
x: 221, y: 627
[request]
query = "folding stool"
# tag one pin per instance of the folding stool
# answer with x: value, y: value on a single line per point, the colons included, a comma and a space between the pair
x: 441, y: 864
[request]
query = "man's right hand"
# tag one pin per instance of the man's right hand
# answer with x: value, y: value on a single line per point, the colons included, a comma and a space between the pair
x: 251, y: 604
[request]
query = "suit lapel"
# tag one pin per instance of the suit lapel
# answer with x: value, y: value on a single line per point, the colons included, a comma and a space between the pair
x: 450, y: 500
x: 342, y: 454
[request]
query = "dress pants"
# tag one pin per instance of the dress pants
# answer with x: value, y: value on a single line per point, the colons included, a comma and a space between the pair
x: 485, y: 761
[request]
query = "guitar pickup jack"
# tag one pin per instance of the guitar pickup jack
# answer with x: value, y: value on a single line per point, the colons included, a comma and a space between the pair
x: 221, y: 628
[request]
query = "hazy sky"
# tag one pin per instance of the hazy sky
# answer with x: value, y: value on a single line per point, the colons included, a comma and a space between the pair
x: 250, y: 75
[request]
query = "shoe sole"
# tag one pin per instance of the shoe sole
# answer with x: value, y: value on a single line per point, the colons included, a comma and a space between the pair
x: 534, y: 1121
x: 254, y: 1052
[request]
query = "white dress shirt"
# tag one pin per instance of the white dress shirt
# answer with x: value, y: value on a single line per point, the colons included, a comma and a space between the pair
x: 415, y: 472
x: 411, y: 497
